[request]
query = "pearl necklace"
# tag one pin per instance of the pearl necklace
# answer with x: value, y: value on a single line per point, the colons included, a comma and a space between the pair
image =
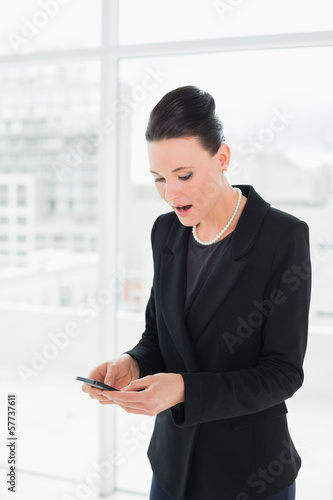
x: 206, y: 243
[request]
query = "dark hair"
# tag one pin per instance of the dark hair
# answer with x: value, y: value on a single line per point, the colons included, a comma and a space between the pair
x: 185, y: 112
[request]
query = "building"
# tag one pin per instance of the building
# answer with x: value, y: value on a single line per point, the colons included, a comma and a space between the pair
x: 48, y: 131
x: 17, y: 219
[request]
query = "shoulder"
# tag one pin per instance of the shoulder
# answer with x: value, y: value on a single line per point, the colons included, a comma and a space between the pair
x: 163, y: 225
x: 166, y: 219
x: 283, y: 236
x: 283, y: 223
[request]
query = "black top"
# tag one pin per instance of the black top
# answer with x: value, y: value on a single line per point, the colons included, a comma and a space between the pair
x: 201, y: 260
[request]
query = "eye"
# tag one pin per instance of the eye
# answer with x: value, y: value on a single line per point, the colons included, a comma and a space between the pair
x: 159, y: 179
x: 186, y: 177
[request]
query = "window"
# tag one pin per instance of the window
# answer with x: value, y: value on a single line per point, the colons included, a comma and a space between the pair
x: 65, y: 296
x: 59, y: 237
x: 279, y: 126
x: 3, y: 195
x: 21, y: 195
x: 52, y: 205
x: 199, y: 19
x: 268, y: 132
x: 78, y: 238
x: 31, y: 26
x: 76, y: 122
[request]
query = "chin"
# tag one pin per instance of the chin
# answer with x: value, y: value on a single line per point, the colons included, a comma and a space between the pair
x: 185, y: 222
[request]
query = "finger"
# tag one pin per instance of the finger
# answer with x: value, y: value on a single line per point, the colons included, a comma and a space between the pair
x: 111, y: 375
x: 98, y: 373
x: 138, y: 385
x: 90, y: 390
x: 110, y: 395
x: 99, y: 397
x: 137, y: 411
x: 132, y: 406
x: 127, y: 398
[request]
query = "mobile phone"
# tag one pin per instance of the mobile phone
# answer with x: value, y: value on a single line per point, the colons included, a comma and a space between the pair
x: 95, y: 383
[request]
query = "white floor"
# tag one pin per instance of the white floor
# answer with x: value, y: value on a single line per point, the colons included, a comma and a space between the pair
x: 31, y: 487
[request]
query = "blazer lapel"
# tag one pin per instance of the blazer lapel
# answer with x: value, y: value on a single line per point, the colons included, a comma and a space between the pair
x: 213, y: 293
x: 172, y: 292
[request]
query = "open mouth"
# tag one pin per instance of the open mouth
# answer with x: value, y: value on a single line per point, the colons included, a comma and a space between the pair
x: 183, y: 210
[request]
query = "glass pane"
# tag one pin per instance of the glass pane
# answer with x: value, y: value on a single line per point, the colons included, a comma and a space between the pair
x: 31, y: 26
x: 196, y: 19
x: 49, y: 263
x: 277, y: 108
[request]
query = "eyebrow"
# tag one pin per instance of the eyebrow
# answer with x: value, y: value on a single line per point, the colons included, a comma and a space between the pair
x: 176, y: 170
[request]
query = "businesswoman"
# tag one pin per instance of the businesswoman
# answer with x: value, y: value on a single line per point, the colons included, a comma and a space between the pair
x: 226, y: 322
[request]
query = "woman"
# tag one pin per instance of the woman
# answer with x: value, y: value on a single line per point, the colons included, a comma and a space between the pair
x: 226, y: 322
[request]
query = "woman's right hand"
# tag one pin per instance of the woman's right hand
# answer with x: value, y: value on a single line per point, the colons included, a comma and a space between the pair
x: 118, y: 373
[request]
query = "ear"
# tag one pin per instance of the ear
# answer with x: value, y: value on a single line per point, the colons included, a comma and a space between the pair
x: 224, y: 155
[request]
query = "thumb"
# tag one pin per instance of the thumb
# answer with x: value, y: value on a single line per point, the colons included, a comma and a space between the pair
x: 110, y: 376
x: 139, y: 384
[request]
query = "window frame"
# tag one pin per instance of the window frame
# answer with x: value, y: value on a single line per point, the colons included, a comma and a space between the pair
x: 109, y: 54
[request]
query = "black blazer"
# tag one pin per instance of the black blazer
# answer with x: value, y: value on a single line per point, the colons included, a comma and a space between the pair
x: 240, y: 352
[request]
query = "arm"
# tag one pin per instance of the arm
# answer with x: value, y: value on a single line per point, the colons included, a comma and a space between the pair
x: 162, y: 390
x: 147, y: 352
x: 143, y: 359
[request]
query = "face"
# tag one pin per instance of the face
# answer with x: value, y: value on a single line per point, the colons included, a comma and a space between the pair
x: 187, y: 177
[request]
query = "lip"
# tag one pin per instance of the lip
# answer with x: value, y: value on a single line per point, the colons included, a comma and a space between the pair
x: 182, y: 213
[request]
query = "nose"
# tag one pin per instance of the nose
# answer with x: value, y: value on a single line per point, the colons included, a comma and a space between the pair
x: 172, y: 191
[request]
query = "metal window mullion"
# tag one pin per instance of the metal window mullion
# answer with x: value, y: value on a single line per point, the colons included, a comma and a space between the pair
x: 258, y: 42
x: 108, y: 229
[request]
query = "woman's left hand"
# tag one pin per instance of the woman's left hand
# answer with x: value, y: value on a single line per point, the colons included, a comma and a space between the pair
x: 161, y: 391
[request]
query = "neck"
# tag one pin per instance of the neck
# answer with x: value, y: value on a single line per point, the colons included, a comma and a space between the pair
x: 216, y: 220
